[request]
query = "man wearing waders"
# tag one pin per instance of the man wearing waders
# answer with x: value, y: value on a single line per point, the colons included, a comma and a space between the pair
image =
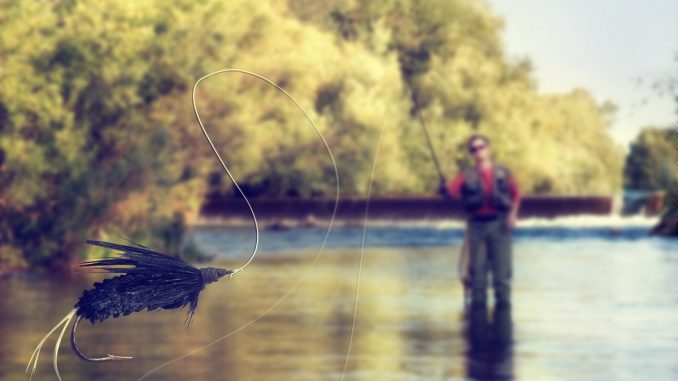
x: 491, y: 199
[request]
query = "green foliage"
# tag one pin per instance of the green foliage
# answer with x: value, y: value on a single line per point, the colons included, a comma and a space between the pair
x: 652, y: 163
x: 452, y: 66
x: 97, y: 134
x: 82, y: 85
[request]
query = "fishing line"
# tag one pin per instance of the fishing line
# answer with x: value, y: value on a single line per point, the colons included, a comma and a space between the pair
x: 463, y: 263
x: 362, y: 242
x: 322, y: 246
x: 367, y: 207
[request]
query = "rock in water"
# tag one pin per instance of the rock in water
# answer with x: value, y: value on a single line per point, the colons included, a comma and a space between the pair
x: 668, y: 226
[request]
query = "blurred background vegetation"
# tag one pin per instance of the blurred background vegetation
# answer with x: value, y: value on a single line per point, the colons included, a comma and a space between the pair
x: 97, y: 135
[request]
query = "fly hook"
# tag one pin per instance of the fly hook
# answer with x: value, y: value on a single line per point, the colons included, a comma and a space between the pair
x: 77, y: 351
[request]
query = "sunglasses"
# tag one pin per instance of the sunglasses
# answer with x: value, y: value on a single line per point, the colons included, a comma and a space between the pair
x: 474, y: 149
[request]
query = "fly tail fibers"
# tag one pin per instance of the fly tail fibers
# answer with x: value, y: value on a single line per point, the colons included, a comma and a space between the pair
x: 36, y: 352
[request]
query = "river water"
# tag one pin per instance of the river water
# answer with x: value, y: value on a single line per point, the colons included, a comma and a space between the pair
x: 594, y: 299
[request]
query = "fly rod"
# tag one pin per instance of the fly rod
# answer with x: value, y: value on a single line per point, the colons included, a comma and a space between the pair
x: 428, y: 136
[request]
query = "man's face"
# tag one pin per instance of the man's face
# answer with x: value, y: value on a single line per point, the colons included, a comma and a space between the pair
x: 479, y: 149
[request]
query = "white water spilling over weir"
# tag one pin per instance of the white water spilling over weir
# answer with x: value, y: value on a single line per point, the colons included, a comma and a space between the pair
x: 536, y: 211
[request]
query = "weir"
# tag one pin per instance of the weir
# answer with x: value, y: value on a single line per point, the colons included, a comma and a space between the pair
x: 227, y: 210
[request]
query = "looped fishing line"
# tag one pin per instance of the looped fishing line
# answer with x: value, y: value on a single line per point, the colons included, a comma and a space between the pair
x: 256, y: 245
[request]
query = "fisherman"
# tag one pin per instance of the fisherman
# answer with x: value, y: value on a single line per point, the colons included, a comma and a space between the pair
x: 491, y: 199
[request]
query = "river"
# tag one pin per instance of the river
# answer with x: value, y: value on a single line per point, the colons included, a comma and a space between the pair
x: 594, y: 299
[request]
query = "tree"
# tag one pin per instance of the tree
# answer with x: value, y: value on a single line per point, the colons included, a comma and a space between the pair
x: 652, y: 159
x: 97, y: 134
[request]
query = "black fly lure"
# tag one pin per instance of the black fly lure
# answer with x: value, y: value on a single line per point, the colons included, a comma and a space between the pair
x: 149, y: 280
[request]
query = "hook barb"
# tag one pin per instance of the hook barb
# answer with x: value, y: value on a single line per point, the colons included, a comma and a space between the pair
x: 82, y: 356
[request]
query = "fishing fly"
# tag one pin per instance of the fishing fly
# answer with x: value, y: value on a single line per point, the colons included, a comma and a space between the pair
x: 150, y: 280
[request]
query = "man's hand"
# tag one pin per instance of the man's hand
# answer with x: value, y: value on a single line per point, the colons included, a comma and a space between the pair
x: 511, y: 220
x: 442, y: 190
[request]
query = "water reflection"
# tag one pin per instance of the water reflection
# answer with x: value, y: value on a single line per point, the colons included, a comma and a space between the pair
x: 489, y: 340
x: 584, y: 310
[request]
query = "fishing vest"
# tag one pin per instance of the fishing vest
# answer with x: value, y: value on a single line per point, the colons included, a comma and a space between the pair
x: 473, y: 190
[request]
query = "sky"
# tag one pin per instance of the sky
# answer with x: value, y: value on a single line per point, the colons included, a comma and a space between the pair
x: 604, y: 46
